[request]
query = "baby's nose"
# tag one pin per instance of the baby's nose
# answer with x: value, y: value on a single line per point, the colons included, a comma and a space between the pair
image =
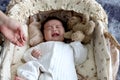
x: 54, y: 28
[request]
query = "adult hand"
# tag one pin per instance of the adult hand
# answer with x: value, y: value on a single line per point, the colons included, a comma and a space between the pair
x: 12, y: 30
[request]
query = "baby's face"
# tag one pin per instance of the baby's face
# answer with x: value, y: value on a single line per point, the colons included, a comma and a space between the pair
x: 54, y: 31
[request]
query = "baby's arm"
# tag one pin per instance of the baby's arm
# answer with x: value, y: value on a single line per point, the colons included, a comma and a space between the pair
x: 80, y: 52
x: 30, y: 55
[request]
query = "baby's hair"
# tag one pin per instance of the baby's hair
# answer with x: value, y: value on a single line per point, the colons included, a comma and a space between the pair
x: 53, y: 18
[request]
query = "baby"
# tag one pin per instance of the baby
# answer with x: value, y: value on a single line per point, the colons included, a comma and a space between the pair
x: 53, y: 59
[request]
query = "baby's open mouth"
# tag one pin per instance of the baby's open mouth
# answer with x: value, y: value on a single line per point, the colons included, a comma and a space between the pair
x: 55, y: 34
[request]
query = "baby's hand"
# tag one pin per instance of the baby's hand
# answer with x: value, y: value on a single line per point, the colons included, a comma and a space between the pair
x: 36, y: 53
x: 18, y: 78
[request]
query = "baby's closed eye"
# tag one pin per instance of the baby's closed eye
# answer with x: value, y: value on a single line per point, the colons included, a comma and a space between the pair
x: 48, y: 28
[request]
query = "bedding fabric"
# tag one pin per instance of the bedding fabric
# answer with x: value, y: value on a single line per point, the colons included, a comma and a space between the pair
x: 112, y: 9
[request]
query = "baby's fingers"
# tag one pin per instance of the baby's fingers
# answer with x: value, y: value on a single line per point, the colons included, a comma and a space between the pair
x: 18, y: 78
x: 36, y: 53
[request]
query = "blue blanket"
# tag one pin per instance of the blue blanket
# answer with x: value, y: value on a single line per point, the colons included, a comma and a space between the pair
x: 3, y: 4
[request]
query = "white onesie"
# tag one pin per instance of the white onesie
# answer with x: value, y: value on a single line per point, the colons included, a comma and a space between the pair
x: 57, y: 61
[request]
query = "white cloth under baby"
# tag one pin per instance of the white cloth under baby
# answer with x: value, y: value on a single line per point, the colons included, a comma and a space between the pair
x: 57, y: 61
